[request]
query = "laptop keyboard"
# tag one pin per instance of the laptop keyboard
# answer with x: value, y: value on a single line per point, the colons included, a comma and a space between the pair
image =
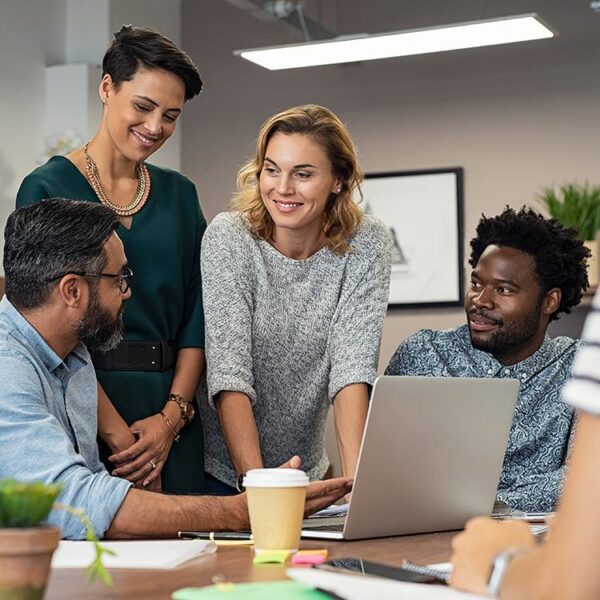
x: 331, y: 527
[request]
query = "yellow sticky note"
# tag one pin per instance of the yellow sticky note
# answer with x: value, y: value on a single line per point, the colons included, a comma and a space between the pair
x: 271, y: 556
x: 225, y: 586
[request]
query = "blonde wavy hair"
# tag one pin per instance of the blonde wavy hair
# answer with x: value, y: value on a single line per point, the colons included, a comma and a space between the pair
x: 342, y: 216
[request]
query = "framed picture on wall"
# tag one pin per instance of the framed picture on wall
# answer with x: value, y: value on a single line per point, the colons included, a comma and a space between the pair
x: 424, y: 212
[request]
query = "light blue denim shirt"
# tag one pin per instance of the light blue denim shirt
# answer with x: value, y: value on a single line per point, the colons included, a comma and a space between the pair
x: 48, y: 424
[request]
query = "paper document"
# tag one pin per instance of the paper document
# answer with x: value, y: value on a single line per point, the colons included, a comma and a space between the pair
x: 539, y: 529
x: 335, y: 510
x: 356, y: 587
x: 159, y: 554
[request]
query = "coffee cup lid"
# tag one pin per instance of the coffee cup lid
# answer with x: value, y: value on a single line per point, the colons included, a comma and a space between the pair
x: 275, y: 478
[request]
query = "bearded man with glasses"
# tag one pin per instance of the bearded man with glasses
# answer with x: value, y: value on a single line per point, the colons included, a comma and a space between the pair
x: 66, y: 283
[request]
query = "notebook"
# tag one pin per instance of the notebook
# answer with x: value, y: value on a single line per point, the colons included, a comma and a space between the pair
x: 152, y: 554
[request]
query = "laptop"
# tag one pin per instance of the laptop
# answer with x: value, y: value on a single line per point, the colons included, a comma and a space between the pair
x: 430, y: 458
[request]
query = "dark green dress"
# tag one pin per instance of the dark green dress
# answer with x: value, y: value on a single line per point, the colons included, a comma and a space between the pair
x: 163, y: 249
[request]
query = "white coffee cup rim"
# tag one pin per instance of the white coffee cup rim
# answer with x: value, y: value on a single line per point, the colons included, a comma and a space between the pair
x: 275, y: 478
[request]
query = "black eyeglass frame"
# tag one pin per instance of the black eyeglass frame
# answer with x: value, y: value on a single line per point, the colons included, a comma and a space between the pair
x: 124, y: 277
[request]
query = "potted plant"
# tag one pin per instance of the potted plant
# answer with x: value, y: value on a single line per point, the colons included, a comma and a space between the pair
x: 578, y: 206
x: 27, y: 543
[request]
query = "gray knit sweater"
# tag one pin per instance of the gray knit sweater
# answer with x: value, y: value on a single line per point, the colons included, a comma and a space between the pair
x: 288, y: 333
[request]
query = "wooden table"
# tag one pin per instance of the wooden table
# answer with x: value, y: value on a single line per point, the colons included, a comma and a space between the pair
x: 235, y: 564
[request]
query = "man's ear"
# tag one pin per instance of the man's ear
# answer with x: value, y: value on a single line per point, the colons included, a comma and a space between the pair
x: 73, y: 290
x: 552, y: 301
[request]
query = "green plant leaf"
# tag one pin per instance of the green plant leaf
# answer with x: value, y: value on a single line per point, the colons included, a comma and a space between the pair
x: 96, y: 570
x: 574, y: 205
x: 26, y: 504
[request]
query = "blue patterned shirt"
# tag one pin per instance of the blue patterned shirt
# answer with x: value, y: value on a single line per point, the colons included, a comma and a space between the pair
x: 533, y: 468
x: 48, y: 424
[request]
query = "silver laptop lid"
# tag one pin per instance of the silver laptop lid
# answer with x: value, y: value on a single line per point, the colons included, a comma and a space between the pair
x: 431, y: 454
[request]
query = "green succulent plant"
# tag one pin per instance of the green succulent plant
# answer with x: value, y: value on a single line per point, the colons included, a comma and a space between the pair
x: 29, y: 504
x: 574, y: 205
x: 26, y: 504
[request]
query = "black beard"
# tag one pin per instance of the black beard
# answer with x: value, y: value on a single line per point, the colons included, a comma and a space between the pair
x: 509, y: 337
x: 99, y: 330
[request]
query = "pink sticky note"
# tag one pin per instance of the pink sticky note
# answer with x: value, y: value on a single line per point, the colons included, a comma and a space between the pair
x: 308, y: 559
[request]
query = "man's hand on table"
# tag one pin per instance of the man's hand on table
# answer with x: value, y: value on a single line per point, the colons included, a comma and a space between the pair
x: 319, y: 495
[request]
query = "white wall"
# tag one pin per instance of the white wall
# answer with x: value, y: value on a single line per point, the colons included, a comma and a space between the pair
x: 516, y: 117
x: 32, y: 35
x: 38, y: 33
x: 88, y: 30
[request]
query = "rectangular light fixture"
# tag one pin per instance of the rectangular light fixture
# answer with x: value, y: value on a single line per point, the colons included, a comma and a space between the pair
x: 475, y: 34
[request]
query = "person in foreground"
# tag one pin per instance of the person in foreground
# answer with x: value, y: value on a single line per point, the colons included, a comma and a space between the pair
x: 295, y: 282
x: 66, y: 278
x: 146, y: 384
x: 566, y: 566
x: 526, y: 271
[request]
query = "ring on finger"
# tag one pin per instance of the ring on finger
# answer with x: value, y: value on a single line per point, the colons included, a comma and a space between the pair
x: 152, y: 464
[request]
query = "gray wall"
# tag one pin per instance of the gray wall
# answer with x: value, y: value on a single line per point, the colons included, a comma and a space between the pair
x: 35, y: 34
x: 31, y: 36
x: 515, y: 117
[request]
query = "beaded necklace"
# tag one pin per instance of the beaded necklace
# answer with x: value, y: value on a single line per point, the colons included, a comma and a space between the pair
x: 141, y: 194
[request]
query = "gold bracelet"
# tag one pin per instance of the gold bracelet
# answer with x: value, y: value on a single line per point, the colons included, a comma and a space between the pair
x: 185, y: 408
x: 170, y: 425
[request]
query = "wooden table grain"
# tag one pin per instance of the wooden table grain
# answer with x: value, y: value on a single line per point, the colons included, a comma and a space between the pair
x: 235, y: 564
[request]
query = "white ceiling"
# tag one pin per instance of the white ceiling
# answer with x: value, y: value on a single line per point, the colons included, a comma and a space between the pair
x: 578, y: 27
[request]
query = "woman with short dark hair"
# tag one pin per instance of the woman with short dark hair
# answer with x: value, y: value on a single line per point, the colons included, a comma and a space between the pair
x: 151, y: 378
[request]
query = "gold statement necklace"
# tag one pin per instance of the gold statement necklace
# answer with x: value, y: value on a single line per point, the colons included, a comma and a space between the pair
x: 141, y: 194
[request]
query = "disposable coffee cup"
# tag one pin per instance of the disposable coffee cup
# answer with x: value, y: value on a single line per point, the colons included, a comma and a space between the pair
x: 276, y: 505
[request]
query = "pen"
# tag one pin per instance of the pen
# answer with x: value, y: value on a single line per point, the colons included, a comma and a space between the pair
x: 531, y: 517
x: 217, y: 536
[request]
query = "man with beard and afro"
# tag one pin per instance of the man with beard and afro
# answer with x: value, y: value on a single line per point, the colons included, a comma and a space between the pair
x: 66, y: 279
x: 527, y: 270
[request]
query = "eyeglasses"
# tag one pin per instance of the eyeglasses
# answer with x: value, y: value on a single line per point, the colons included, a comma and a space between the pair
x: 123, y: 278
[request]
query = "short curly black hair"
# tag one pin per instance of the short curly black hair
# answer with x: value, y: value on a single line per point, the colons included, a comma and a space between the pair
x: 558, y: 254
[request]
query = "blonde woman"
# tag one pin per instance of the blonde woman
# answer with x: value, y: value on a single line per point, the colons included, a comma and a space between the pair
x: 295, y: 284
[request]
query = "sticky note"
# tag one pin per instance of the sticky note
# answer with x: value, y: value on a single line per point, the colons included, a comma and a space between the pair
x: 271, y: 590
x: 271, y: 556
x: 309, y: 557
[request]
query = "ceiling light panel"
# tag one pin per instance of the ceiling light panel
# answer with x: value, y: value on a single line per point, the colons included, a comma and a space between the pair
x: 490, y: 32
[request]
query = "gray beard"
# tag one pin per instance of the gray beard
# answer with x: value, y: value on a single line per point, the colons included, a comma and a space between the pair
x: 98, y: 329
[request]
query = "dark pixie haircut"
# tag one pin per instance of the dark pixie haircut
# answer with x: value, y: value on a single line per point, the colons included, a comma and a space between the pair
x: 134, y: 47
x: 51, y: 238
x: 559, y: 256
